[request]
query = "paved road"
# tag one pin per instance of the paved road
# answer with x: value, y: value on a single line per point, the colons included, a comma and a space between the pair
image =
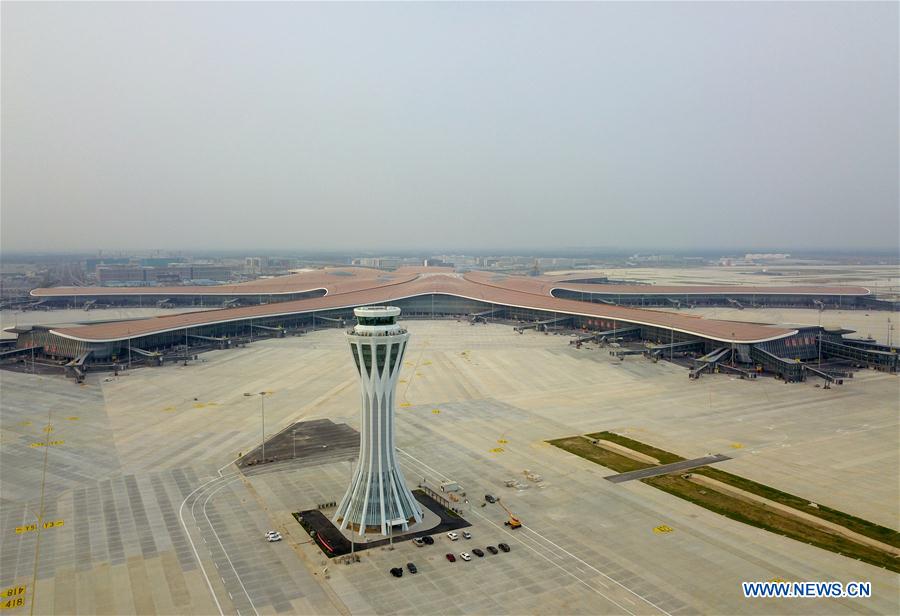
x: 666, y: 468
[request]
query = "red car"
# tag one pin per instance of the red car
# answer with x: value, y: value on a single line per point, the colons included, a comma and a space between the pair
x: 451, y: 558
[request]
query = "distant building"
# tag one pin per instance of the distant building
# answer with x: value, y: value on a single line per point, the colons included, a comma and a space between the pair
x: 379, y: 262
x: 173, y: 274
x: 256, y: 265
x: 766, y: 256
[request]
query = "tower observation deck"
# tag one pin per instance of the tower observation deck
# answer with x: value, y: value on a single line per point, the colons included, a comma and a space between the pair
x: 377, y: 498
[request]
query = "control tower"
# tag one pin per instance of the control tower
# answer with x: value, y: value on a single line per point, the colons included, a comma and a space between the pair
x: 377, y: 499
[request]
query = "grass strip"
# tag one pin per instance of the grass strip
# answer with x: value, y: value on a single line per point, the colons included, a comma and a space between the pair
x: 664, y: 457
x: 757, y: 515
x: 850, y: 522
x: 604, y: 457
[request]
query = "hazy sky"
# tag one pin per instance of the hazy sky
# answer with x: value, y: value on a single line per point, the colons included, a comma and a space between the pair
x: 329, y: 126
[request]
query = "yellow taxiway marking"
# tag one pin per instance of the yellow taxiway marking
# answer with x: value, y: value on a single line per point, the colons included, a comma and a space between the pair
x: 73, y: 418
x: 24, y: 423
x: 405, y: 404
x: 12, y: 603
x: 48, y: 429
x: 203, y: 405
x: 663, y: 529
x: 778, y: 580
x: 13, y: 591
x: 497, y: 450
x: 51, y: 444
x: 502, y: 441
x: 32, y: 527
x: 436, y: 411
x: 168, y: 409
x: 737, y: 446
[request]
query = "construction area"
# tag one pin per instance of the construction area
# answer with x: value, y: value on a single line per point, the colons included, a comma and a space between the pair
x: 143, y: 510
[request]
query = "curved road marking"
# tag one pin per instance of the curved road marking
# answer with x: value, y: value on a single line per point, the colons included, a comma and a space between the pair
x: 209, y: 495
x: 194, y: 548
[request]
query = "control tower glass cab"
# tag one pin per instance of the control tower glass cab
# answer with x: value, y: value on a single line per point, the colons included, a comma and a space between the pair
x: 377, y: 499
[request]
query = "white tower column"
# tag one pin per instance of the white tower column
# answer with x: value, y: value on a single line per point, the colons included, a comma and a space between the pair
x: 377, y: 498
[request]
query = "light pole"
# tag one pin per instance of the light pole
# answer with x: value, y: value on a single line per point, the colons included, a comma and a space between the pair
x: 262, y: 415
x: 820, y: 340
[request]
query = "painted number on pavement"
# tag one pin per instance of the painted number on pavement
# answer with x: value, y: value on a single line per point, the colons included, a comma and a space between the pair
x: 12, y: 603
x: 32, y: 527
x: 14, y: 591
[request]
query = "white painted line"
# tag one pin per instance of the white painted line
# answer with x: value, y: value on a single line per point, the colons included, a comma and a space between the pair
x: 561, y: 549
x: 194, y: 548
x: 564, y: 551
x: 224, y: 551
x: 529, y: 547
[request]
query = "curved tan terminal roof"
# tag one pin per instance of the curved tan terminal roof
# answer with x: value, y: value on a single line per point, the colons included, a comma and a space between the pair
x: 352, y: 291
x: 345, y: 279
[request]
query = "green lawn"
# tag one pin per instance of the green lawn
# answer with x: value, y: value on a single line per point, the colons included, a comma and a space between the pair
x: 753, y: 514
x: 604, y: 457
x: 769, y: 519
x: 664, y: 457
x: 857, y: 525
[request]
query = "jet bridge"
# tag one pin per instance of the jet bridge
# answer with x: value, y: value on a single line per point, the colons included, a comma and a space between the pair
x: 789, y: 370
x: 863, y: 352
x: 610, y: 335
x: 545, y: 324
x: 482, y: 317
x: 75, y: 368
x: 659, y: 350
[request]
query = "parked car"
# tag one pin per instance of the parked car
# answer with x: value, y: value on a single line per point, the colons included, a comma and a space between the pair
x: 418, y: 542
x: 428, y: 539
x: 412, y: 567
x: 491, y: 549
x: 490, y: 498
x: 273, y: 537
x: 478, y: 553
x: 467, y: 534
x: 453, y: 536
x: 503, y: 547
x: 451, y: 558
x: 397, y: 572
x: 466, y: 556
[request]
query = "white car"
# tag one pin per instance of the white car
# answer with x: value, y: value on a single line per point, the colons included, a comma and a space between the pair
x: 466, y: 556
x: 453, y: 536
x: 273, y: 537
x: 467, y: 534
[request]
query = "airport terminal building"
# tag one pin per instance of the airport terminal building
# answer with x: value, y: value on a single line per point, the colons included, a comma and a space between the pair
x: 326, y: 298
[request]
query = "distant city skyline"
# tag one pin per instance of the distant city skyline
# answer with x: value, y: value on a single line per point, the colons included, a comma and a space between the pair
x: 504, y: 127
